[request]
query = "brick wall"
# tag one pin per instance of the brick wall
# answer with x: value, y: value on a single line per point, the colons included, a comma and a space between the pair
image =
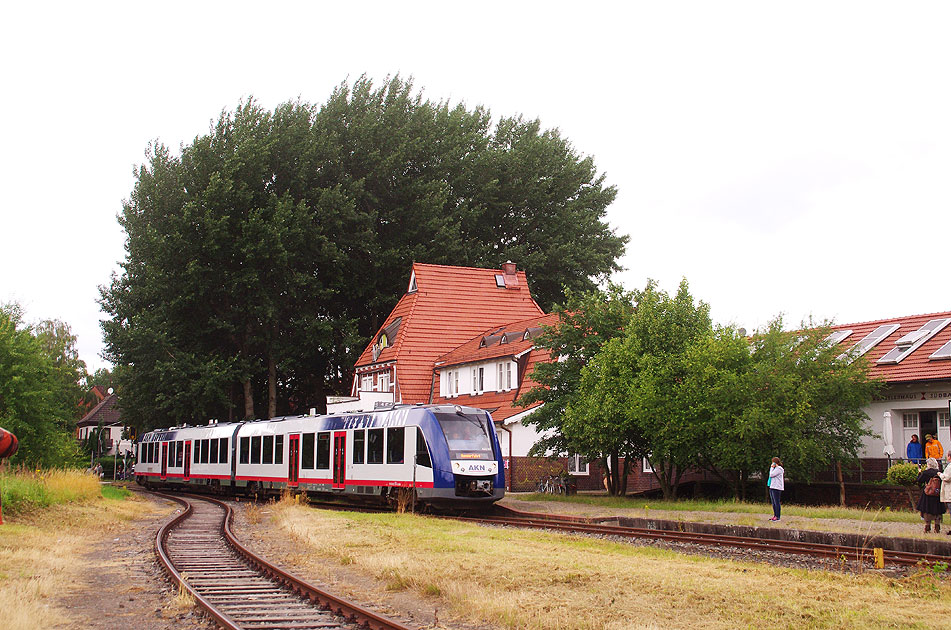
x: 524, y: 473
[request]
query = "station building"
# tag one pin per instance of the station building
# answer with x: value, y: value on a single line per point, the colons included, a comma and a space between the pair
x: 912, y: 355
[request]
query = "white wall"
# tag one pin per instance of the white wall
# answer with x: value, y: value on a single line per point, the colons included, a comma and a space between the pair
x: 900, y: 399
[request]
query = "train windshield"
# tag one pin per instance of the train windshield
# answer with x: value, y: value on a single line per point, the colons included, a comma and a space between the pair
x: 467, y: 435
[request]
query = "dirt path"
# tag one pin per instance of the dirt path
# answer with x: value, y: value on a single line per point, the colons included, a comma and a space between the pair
x: 123, y: 587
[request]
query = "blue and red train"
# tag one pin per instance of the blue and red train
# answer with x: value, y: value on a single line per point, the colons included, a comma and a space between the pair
x: 449, y: 454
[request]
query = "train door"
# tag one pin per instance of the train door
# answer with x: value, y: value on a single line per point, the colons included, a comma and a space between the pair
x: 188, y: 460
x: 340, y: 460
x: 164, y: 460
x: 293, y: 459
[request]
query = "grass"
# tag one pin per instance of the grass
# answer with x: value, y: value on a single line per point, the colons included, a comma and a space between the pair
x: 58, y: 515
x: 533, y: 580
x: 725, y: 506
x: 24, y: 490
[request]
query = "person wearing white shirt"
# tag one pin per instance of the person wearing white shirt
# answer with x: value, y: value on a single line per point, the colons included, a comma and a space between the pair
x: 776, y: 485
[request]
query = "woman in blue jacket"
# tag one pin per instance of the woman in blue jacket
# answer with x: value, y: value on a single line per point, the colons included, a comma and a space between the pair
x: 915, y: 452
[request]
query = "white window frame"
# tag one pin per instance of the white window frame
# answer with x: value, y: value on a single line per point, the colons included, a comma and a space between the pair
x: 577, y: 465
x: 384, y: 379
x: 909, y: 420
x: 944, y: 419
x: 498, y: 385
x: 366, y: 383
x: 646, y: 465
x: 508, y: 376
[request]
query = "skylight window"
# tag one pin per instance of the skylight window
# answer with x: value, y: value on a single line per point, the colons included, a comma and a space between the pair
x: 914, y: 340
x: 838, y: 337
x: 944, y: 352
x: 500, y: 281
x: 869, y: 341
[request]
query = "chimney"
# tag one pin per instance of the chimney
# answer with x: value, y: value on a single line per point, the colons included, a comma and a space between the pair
x: 509, y: 276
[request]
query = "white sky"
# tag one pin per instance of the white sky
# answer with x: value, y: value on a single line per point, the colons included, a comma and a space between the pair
x: 785, y: 158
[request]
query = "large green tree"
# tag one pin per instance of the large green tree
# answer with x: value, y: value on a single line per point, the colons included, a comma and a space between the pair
x: 40, y: 396
x: 632, y: 392
x: 586, y: 321
x: 778, y: 393
x: 262, y: 258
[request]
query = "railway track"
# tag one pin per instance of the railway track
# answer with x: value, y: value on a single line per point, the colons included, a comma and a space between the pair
x: 241, y: 590
x: 578, y: 525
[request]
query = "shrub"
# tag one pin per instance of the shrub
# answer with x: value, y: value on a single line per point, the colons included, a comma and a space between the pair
x: 904, y: 474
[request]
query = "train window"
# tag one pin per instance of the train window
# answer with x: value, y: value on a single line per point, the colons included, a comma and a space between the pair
x: 307, y: 451
x: 267, y: 455
x: 205, y: 447
x: 375, y: 446
x: 245, y: 450
x: 179, y: 453
x: 223, y: 451
x: 422, y: 453
x: 323, y: 451
x: 467, y: 435
x: 359, y: 444
x: 196, y: 452
x: 256, y: 449
x: 148, y: 453
x: 213, y: 451
x: 278, y: 449
x: 154, y: 458
x: 395, y: 439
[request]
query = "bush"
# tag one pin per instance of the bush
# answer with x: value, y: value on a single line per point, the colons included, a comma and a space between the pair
x: 905, y: 474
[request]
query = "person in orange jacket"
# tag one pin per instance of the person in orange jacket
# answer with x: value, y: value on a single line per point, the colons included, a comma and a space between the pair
x: 933, y: 448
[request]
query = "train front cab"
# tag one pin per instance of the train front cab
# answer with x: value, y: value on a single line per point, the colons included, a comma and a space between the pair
x: 467, y: 466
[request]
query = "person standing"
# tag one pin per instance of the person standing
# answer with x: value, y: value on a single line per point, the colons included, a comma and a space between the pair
x: 776, y: 485
x: 933, y: 448
x: 929, y: 503
x: 945, y: 495
x: 914, y: 451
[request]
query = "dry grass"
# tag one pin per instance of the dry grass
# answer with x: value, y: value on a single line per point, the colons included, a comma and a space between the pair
x: 538, y: 581
x: 41, y: 556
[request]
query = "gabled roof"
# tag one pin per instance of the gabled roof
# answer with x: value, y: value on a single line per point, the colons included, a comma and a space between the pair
x: 916, y: 366
x: 106, y: 412
x: 499, y: 341
x: 449, y: 306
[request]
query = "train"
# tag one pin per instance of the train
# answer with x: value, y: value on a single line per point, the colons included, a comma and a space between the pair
x: 441, y: 456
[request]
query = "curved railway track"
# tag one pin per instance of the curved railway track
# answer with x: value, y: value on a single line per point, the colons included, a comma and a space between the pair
x: 581, y: 525
x: 239, y: 589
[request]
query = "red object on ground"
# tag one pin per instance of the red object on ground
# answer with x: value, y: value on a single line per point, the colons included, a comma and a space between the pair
x: 8, y: 444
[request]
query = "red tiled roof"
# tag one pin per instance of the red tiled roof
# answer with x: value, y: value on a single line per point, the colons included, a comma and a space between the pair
x: 450, y: 306
x: 472, y: 350
x: 106, y: 412
x: 916, y: 366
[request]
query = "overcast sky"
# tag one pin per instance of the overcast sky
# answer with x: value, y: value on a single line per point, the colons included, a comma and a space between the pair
x: 785, y: 158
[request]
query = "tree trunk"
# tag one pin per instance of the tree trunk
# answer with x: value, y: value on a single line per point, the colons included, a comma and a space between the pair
x: 271, y: 385
x: 248, y: 400
x: 838, y: 474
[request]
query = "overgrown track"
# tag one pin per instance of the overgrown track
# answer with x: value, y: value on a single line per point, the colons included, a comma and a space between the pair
x: 239, y: 589
x: 581, y: 525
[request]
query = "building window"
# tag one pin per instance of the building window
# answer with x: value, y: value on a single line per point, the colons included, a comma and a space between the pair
x: 646, y: 465
x: 577, y: 465
x: 385, y: 381
x: 478, y: 380
x: 944, y: 419
x: 909, y: 420
x: 366, y: 383
x: 508, y: 375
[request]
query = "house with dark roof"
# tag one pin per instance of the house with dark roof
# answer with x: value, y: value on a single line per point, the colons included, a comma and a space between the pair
x: 107, y: 414
x: 912, y: 355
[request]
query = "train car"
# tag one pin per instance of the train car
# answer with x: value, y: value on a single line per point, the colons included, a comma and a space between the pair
x: 448, y: 454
